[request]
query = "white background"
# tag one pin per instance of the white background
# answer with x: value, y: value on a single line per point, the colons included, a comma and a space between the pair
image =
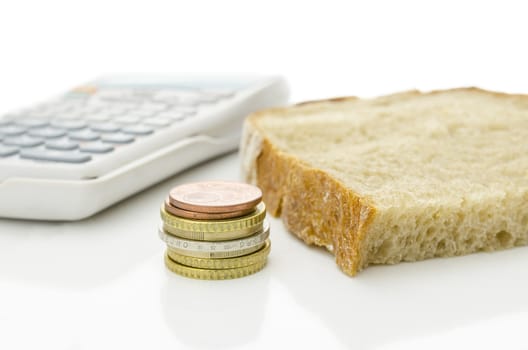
x: 100, y: 283
x: 325, y: 48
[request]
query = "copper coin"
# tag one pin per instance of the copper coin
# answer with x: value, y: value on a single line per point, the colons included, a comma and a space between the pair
x: 215, y: 196
x: 196, y: 215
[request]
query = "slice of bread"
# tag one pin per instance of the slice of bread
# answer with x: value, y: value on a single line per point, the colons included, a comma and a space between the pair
x: 397, y: 178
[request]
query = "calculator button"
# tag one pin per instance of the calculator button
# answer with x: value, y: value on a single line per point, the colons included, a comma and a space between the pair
x: 23, y: 141
x: 120, y: 107
x: 141, y: 113
x: 55, y: 156
x: 174, y: 95
x: 63, y: 144
x: 48, y: 133
x: 174, y: 115
x: 101, y: 116
x: 84, y: 135
x: 142, y: 94
x: 115, y: 94
x: 6, y: 151
x: 126, y: 103
x: 117, y: 110
x: 31, y: 123
x: 105, y: 127
x: 181, y: 109
x: 166, y: 94
x: 152, y: 106
x: 220, y: 93
x: 117, y: 138
x: 96, y: 103
x: 68, y: 124
x: 65, y: 105
x: 137, y: 130
x: 39, y: 114
x: 208, y: 99
x: 68, y: 115
x: 12, y: 130
x: 188, y: 100
x: 96, y: 147
x: 4, y: 120
x: 157, y: 122
x: 90, y: 108
x: 127, y: 120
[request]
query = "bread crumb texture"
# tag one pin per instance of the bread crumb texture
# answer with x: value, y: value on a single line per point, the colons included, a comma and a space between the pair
x: 397, y: 178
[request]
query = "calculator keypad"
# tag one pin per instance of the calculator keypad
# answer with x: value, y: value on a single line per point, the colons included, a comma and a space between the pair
x: 90, y: 121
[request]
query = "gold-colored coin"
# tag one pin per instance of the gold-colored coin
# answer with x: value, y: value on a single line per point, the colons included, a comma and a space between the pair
x: 213, y: 236
x: 245, y: 222
x: 226, y: 263
x: 208, y: 274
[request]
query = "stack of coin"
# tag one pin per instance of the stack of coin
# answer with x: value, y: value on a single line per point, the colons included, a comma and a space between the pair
x: 215, y: 230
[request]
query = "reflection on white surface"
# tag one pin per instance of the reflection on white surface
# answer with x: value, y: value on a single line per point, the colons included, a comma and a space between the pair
x: 215, y: 314
x: 101, y: 284
x: 384, y: 304
x: 506, y: 332
x: 67, y: 254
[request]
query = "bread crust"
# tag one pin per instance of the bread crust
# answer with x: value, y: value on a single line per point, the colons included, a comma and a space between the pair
x: 313, y: 205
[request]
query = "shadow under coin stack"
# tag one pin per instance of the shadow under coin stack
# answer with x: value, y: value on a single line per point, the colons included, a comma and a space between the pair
x: 215, y: 230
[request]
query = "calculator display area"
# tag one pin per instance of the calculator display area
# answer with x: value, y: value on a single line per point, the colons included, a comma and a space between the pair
x: 205, y: 82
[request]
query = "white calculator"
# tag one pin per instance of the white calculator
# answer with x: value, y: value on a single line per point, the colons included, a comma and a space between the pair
x: 72, y: 156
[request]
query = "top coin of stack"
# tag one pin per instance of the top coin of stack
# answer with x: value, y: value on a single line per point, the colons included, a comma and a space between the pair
x: 215, y: 230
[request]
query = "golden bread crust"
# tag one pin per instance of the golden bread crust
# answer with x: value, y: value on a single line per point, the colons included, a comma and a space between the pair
x: 314, y: 206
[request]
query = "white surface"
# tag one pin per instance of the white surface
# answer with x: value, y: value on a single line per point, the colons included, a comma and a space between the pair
x: 101, y: 284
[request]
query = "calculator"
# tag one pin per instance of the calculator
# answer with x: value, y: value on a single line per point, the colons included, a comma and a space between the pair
x: 69, y: 157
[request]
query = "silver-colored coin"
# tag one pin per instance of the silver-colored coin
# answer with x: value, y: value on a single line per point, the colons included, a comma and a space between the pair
x: 219, y: 255
x: 188, y: 245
